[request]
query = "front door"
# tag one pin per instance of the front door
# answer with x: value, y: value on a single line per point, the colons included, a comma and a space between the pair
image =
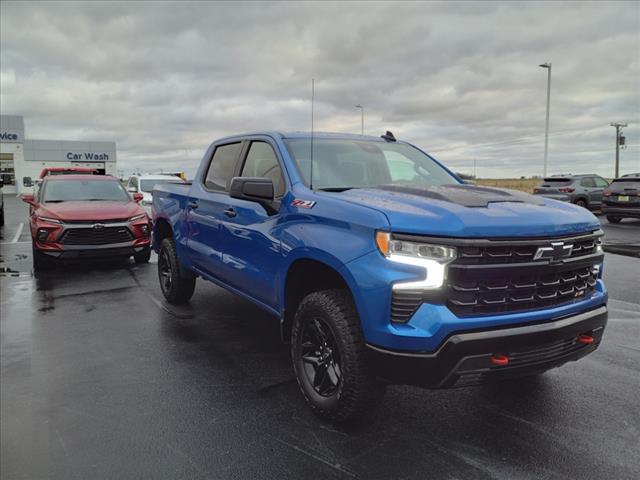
x: 251, y: 245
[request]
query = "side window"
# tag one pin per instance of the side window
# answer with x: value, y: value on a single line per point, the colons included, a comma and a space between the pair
x: 601, y: 182
x: 587, y: 182
x: 134, y: 183
x: 262, y: 162
x: 222, y: 167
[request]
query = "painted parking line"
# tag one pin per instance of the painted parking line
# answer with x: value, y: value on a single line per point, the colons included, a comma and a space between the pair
x: 18, y: 233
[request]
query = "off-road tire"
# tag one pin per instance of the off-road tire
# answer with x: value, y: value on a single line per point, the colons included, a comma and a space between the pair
x: 357, y: 391
x: 142, y: 257
x: 613, y: 219
x: 182, y: 284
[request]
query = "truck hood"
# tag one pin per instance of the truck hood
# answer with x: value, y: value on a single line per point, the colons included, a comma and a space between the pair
x: 472, y: 211
x: 90, y: 211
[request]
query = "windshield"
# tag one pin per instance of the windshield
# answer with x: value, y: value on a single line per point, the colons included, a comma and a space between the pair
x: 344, y: 164
x: 83, y: 190
x: 147, y: 185
x: 627, y: 182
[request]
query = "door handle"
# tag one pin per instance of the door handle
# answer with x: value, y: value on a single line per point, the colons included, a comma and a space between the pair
x: 193, y: 204
x: 230, y: 212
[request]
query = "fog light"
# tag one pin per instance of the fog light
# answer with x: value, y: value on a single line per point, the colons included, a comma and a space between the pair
x: 42, y: 234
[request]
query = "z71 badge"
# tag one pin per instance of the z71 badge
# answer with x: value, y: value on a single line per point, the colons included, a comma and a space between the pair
x: 303, y: 203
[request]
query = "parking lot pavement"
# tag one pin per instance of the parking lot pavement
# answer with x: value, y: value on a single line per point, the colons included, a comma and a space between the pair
x: 623, y: 237
x: 100, y: 378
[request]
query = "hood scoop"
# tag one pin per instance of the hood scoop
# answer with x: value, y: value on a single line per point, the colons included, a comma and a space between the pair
x: 466, y: 195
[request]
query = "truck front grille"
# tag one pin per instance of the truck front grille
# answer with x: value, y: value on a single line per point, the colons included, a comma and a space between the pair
x: 504, y: 275
x: 94, y: 236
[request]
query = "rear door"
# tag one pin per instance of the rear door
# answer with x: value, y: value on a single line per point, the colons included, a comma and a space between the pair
x: 250, y: 246
x: 600, y: 185
x: 209, y: 197
x: 588, y: 185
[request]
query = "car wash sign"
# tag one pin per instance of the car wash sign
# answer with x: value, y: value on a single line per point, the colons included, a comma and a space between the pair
x: 87, y: 157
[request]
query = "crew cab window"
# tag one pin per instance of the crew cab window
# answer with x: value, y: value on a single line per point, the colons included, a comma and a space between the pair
x: 222, y: 167
x: 601, y: 182
x: 133, y: 182
x: 587, y: 182
x: 262, y: 162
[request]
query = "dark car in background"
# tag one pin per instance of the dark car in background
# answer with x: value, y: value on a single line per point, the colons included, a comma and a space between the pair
x: 583, y: 190
x: 621, y: 199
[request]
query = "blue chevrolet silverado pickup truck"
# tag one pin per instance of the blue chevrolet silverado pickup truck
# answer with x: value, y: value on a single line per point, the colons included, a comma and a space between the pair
x: 382, y: 265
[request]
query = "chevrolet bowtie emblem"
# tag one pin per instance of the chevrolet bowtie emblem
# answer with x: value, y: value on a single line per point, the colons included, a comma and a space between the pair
x: 554, y: 253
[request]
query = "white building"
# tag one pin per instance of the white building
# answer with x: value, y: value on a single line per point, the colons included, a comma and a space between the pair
x: 22, y: 159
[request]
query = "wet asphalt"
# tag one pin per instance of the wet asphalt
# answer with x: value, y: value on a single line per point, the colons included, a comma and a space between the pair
x: 100, y: 378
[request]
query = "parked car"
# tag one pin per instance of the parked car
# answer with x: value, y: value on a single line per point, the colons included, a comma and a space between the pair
x: 144, y: 184
x: 381, y: 264
x: 74, y: 217
x: 621, y: 199
x: 583, y: 190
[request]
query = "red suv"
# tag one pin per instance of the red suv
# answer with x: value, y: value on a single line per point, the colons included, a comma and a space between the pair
x: 86, y: 216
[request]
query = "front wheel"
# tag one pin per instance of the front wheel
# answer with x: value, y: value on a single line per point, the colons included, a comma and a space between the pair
x: 41, y: 261
x: 329, y: 360
x: 177, y: 285
x: 143, y: 256
x: 612, y: 219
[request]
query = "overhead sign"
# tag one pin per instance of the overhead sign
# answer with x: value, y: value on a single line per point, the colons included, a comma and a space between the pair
x: 9, y: 136
x: 88, y: 156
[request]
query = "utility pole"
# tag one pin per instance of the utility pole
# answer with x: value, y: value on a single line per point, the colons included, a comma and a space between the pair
x: 475, y: 169
x: 546, y: 124
x: 618, y: 132
x: 361, y: 118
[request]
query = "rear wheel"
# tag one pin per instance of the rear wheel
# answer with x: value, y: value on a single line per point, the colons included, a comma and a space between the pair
x: 612, y: 219
x: 329, y: 360
x: 142, y: 257
x: 176, y: 284
x: 582, y: 203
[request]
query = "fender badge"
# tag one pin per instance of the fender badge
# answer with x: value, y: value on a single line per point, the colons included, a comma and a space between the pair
x: 303, y: 203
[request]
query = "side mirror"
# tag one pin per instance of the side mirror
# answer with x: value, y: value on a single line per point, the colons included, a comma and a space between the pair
x: 27, y: 182
x: 29, y: 199
x: 137, y: 197
x: 254, y: 189
x: 1, y: 181
x: 132, y: 189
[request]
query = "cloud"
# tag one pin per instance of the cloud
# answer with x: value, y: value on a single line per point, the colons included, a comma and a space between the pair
x: 460, y: 79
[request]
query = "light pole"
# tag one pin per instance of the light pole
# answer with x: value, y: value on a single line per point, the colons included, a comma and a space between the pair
x: 618, y: 126
x: 361, y: 118
x: 546, y: 124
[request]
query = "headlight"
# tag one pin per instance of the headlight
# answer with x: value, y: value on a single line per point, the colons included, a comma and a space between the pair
x: 50, y: 220
x: 433, y: 258
x: 138, y: 217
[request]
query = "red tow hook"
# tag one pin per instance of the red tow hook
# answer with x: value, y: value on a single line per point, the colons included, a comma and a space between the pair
x: 500, y: 360
x: 585, y: 338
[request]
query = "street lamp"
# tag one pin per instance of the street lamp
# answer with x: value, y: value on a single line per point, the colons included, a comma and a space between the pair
x: 546, y: 125
x: 361, y: 118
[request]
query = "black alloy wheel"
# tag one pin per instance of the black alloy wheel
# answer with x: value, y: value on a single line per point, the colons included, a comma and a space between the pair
x: 165, y: 274
x: 177, y: 285
x: 321, y: 357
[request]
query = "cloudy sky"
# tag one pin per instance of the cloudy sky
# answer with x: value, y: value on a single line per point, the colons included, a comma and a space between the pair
x: 459, y: 79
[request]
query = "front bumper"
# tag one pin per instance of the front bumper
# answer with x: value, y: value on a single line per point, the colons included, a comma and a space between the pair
x: 78, y: 252
x: 465, y: 358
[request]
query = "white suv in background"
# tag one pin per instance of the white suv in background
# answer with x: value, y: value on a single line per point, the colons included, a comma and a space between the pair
x: 144, y: 184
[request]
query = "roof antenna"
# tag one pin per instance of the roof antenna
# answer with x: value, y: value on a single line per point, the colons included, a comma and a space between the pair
x: 388, y: 136
x: 311, y: 161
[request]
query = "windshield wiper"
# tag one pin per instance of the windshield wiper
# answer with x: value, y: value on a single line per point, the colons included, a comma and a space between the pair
x: 335, y: 189
x: 54, y: 201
